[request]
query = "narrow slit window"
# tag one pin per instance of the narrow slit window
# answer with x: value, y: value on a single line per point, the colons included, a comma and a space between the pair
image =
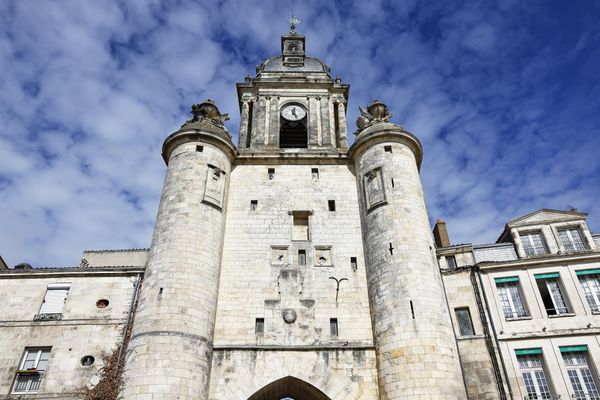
x: 465, y: 324
x: 271, y: 173
x: 331, y: 204
x: 353, y: 264
x: 199, y: 149
x: 253, y: 205
x: 388, y: 149
x: 302, y: 257
x: 259, y: 326
x: 315, y: 174
x: 333, y: 327
x: 393, y: 183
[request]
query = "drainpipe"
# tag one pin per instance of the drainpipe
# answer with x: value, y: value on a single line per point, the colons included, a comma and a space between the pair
x: 136, y: 289
x: 491, y: 322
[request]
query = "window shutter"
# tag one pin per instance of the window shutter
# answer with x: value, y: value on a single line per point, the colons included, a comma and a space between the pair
x: 54, y: 301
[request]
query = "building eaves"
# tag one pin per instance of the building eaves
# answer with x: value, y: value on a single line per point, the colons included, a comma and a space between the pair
x: 116, y: 250
x: 70, y: 271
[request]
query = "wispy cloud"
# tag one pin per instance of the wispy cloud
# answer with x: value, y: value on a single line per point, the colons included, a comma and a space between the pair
x: 502, y: 94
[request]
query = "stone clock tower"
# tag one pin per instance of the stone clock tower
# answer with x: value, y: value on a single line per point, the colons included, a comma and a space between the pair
x: 292, y: 266
x: 292, y: 103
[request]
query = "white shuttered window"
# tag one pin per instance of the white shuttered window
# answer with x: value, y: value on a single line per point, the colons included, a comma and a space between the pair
x: 56, y: 294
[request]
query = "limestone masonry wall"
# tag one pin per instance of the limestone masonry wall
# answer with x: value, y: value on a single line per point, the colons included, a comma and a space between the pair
x: 416, y: 348
x: 171, y: 346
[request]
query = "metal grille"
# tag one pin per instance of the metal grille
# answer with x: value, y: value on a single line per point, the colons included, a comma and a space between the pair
x: 27, y: 382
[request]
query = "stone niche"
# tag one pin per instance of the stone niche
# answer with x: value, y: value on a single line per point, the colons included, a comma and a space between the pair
x: 215, y: 186
x: 374, y: 188
x: 323, y: 256
x: 279, y: 255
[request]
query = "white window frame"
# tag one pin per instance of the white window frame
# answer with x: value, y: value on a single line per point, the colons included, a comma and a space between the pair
x: 591, y: 291
x: 33, y: 385
x: 529, y: 244
x: 569, y: 243
x: 508, y: 300
x: 582, y: 373
x: 534, y: 377
x: 560, y: 302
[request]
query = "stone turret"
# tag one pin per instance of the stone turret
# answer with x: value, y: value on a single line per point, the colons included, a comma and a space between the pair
x: 170, y: 352
x: 416, y: 348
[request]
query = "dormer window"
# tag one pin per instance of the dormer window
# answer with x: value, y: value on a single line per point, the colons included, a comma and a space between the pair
x: 533, y: 243
x: 572, y: 240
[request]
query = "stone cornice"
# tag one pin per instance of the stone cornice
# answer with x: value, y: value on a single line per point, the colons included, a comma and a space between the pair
x: 70, y: 272
x: 385, y: 133
x: 591, y: 256
x: 214, y: 136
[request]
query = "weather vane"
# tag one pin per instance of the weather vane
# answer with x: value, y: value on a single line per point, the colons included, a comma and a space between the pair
x: 293, y: 22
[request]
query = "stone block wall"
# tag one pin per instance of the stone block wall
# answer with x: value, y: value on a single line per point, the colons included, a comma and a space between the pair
x: 171, y: 345
x: 83, y: 330
x: 417, y: 352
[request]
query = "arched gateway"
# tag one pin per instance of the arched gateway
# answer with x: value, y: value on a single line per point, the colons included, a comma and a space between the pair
x: 289, y: 388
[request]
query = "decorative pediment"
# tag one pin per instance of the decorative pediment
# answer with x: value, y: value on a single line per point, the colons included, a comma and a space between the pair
x: 546, y: 216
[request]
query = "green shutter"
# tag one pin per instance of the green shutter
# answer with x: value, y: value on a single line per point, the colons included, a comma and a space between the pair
x: 522, y: 352
x: 546, y: 276
x: 508, y: 279
x: 569, y: 349
x: 588, y: 272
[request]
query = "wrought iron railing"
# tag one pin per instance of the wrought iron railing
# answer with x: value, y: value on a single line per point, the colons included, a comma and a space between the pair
x: 27, y: 381
x: 48, y: 317
x: 545, y: 396
x: 586, y: 396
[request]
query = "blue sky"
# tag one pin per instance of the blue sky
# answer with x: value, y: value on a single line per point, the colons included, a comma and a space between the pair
x: 504, y: 96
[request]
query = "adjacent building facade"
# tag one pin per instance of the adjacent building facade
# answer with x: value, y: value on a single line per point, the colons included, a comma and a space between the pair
x: 291, y: 266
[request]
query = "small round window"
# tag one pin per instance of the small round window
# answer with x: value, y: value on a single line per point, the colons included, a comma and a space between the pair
x: 102, y: 303
x: 86, y: 361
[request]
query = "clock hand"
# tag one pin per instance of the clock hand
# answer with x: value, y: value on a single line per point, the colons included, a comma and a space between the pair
x: 294, y: 112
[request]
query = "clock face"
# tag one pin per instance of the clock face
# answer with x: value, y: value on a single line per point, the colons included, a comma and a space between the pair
x: 293, y: 112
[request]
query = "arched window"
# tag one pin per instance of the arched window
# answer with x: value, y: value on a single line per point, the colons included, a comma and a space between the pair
x: 289, y: 388
x: 293, y: 135
x: 293, y: 132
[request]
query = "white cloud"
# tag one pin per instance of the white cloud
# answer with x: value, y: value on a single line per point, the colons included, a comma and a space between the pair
x: 90, y: 90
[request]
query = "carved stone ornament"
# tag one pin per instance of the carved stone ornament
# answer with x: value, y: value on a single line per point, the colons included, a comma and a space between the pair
x: 289, y: 316
x: 48, y: 317
x: 207, y: 111
x: 375, y: 112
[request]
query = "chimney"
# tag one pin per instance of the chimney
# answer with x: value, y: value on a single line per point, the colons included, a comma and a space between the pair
x: 440, y: 234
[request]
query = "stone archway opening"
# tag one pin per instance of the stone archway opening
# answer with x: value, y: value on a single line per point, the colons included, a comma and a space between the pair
x: 289, y: 388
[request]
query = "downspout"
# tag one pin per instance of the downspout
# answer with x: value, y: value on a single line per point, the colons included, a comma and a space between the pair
x: 491, y: 323
x: 136, y: 289
x: 460, y: 361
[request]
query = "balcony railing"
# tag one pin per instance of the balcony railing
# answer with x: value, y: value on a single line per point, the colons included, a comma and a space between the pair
x: 27, y: 381
x: 48, y: 317
x: 546, y: 396
x: 586, y: 396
